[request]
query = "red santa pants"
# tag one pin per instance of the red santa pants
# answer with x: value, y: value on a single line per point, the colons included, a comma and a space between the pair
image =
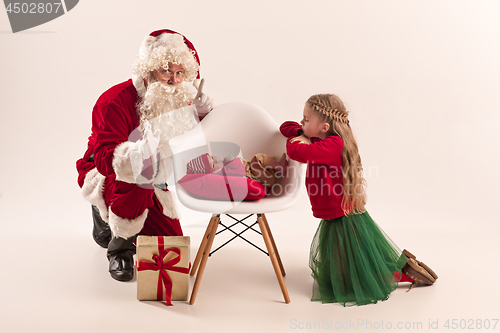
x: 129, y: 201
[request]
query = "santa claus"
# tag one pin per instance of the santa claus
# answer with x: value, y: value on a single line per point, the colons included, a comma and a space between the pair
x: 124, y: 170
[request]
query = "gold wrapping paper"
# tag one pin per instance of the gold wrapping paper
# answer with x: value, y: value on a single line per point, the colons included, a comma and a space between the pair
x: 147, y: 280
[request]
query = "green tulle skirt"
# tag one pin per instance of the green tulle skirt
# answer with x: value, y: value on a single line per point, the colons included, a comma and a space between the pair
x: 353, y: 262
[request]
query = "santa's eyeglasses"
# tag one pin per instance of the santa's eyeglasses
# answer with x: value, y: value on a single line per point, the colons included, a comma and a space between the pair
x: 167, y: 73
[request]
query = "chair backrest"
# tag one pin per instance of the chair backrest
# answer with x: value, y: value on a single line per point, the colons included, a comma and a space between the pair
x: 244, y: 126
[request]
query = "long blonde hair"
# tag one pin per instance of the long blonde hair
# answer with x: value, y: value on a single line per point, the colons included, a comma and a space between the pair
x: 331, y: 110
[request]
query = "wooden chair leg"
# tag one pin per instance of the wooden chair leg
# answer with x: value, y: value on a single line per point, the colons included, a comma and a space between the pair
x: 274, y: 244
x: 214, y: 222
x: 202, y: 247
x: 272, y: 256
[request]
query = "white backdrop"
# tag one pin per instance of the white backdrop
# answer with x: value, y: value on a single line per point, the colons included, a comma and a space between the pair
x: 421, y: 79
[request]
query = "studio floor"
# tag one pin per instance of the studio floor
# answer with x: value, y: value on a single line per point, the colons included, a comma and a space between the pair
x: 54, y: 279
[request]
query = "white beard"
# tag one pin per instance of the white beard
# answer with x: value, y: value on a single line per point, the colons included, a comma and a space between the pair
x: 161, y: 98
x: 166, y: 107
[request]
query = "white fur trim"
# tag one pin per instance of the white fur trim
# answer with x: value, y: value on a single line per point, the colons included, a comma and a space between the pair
x: 92, y: 191
x: 139, y: 85
x: 125, y: 228
x: 122, y: 163
x: 128, y: 163
x: 167, y: 202
x: 167, y: 40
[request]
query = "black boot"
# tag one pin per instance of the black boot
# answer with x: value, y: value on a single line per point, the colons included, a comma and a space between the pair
x: 101, y: 231
x: 121, y: 258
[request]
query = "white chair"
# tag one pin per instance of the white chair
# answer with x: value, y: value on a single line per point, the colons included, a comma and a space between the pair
x: 251, y: 130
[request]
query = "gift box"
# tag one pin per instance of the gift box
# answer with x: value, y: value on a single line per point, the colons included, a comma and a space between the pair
x: 162, y: 268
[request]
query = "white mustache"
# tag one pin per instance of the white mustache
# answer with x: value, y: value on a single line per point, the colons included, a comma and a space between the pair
x: 160, y: 98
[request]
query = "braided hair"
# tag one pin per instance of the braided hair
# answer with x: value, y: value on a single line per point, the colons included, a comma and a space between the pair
x: 339, y: 115
x: 331, y: 110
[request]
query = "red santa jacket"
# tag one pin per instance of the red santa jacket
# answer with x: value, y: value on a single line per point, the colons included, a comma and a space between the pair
x: 113, y: 119
x: 324, y: 170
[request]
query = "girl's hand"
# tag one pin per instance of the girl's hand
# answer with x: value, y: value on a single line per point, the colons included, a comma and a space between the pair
x: 302, y: 139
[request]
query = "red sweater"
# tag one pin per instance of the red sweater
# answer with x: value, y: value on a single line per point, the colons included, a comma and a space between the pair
x: 324, y: 170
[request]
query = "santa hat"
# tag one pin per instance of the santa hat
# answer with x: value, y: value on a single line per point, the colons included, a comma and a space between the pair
x: 200, y: 164
x: 160, y: 48
x: 161, y: 36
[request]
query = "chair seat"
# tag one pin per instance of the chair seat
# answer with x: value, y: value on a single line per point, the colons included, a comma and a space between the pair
x: 266, y: 205
x: 272, y: 203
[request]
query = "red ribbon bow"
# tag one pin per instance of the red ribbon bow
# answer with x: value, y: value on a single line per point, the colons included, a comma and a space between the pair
x: 163, y: 267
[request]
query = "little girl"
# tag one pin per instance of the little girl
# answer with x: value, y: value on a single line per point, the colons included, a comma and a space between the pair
x: 352, y: 261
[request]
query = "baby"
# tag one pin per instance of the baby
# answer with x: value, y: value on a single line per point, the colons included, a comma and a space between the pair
x: 263, y: 168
